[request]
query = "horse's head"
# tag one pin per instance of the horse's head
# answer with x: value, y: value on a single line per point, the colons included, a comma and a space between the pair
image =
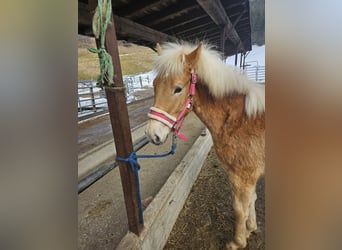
x: 171, y: 92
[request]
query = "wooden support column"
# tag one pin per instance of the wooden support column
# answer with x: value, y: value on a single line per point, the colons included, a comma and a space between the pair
x: 121, y: 130
x: 244, y: 60
x: 240, y: 59
x: 223, y: 42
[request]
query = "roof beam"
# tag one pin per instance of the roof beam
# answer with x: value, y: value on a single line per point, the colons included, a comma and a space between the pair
x: 169, y: 14
x: 239, y: 19
x: 181, y: 24
x: 204, y: 36
x: 195, y: 29
x: 215, y: 10
x: 125, y: 27
x: 217, y: 13
x: 147, y: 8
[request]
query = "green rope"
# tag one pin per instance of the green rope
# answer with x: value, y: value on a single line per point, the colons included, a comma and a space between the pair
x: 100, y: 24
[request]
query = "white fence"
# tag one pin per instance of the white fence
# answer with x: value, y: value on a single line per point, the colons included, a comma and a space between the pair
x: 254, y: 71
x: 91, y: 99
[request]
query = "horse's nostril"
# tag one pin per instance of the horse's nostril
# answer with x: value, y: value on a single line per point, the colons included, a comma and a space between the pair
x: 157, y: 139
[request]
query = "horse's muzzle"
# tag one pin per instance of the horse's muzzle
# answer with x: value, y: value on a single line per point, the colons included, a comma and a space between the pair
x: 157, y: 132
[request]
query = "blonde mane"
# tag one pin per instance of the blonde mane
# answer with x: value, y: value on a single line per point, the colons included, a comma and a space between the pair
x: 221, y: 79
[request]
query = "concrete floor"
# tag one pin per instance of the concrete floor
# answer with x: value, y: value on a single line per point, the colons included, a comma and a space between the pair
x: 94, y: 132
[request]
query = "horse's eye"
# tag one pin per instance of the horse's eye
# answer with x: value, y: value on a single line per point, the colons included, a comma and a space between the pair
x: 177, y: 90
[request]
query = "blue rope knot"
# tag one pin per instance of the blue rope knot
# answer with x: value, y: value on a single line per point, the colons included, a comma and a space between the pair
x: 132, y: 159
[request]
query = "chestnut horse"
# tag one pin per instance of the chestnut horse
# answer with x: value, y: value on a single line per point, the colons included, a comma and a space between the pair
x: 230, y: 105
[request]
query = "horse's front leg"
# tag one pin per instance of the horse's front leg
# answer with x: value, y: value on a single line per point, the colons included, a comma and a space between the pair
x: 243, y: 195
x: 251, y: 221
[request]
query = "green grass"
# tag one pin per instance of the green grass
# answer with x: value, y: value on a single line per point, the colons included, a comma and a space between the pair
x: 88, y: 65
x: 134, y: 59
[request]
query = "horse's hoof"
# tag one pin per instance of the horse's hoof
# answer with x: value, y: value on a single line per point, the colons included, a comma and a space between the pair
x: 251, y: 226
x: 233, y: 246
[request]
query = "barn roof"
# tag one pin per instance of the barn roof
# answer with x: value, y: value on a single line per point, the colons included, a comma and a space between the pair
x: 223, y: 23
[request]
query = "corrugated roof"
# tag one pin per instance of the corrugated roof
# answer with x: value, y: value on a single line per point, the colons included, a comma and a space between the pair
x: 146, y: 22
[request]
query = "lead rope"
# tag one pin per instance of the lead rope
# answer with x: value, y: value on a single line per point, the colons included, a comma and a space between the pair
x: 132, y: 159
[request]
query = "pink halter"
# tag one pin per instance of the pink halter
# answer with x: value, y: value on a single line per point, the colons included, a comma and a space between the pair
x: 175, y: 123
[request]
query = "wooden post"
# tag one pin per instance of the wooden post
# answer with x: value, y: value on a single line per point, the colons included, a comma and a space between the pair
x: 79, y: 103
x: 121, y: 129
x: 92, y: 97
x: 223, y: 42
x: 240, y: 59
x: 140, y: 79
x: 256, y: 73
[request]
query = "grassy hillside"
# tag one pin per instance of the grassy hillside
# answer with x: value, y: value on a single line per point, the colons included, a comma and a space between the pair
x: 134, y: 59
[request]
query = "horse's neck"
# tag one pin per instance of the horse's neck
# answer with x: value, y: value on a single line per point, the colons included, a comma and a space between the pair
x: 216, y: 113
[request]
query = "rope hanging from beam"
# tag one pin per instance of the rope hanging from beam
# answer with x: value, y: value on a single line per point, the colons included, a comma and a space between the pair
x: 101, y: 19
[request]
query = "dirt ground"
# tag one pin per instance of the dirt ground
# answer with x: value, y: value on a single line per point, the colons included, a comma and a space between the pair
x: 207, y: 219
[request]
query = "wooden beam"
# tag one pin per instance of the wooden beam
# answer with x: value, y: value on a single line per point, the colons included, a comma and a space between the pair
x: 244, y: 61
x: 204, y: 35
x: 239, y: 18
x: 228, y: 30
x: 181, y: 24
x: 241, y: 60
x: 225, y: 33
x: 196, y: 29
x: 187, y: 20
x: 124, y: 27
x: 128, y: 28
x: 217, y: 13
x: 242, y: 25
x: 235, y: 5
x: 171, y: 13
x: 146, y: 8
x: 222, y: 41
x: 215, y: 10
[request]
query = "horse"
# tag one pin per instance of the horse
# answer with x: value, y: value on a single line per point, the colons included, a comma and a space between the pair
x: 232, y: 107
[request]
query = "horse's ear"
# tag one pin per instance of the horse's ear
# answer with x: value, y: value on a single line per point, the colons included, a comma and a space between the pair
x: 193, y: 57
x: 158, y: 49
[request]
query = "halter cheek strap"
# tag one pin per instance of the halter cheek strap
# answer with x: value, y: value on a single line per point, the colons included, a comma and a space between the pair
x: 175, y: 123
